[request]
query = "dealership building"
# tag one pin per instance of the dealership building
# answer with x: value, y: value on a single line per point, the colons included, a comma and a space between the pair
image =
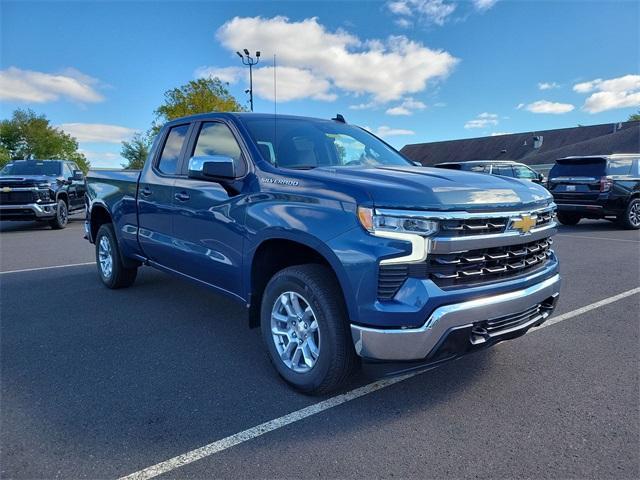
x: 533, y: 148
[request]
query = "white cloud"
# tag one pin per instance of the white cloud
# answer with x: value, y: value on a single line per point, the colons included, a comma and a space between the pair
x: 97, y: 132
x: 429, y: 11
x: 386, y: 131
x: 520, y: 106
x: 335, y: 60
x: 38, y: 87
x: 483, y: 120
x: 292, y: 83
x: 407, y: 107
x: 103, y: 159
x: 483, y: 5
x: 403, y: 22
x: 548, y: 85
x: 621, y: 92
x: 497, y: 134
x: 545, y: 106
x: 363, y: 106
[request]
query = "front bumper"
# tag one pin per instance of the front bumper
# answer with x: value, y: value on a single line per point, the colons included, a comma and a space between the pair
x: 480, y: 322
x: 31, y: 210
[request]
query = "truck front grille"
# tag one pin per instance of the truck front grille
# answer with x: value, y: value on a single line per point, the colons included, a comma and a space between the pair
x: 486, y: 226
x: 469, y: 268
x: 17, y: 198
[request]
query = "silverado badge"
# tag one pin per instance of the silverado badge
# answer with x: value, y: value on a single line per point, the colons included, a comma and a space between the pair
x: 525, y: 223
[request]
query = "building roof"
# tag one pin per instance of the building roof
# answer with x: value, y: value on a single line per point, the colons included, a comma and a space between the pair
x: 604, y: 139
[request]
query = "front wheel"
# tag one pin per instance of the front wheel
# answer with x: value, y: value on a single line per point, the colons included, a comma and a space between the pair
x: 112, y: 271
x: 631, y: 217
x: 568, y: 218
x: 62, y: 216
x: 306, y: 329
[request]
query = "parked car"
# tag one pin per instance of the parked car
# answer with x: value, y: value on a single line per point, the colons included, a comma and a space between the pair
x: 337, y: 245
x: 604, y: 186
x: 503, y: 168
x: 42, y: 190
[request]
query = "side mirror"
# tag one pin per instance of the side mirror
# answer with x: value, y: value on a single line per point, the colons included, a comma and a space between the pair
x: 212, y: 167
x: 78, y: 176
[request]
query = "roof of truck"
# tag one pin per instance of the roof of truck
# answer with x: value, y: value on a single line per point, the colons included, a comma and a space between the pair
x: 242, y: 115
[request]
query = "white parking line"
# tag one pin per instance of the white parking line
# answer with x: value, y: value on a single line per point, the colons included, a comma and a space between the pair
x: 597, y: 238
x: 271, y: 425
x: 47, y: 268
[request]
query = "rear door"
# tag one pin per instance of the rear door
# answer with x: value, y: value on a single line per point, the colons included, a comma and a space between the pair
x: 155, y: 197
x: 577, y: 180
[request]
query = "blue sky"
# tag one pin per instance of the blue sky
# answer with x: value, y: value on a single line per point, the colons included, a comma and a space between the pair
x: 410, y: 70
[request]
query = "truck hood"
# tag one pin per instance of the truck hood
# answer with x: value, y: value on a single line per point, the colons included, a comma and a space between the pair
x: 26, y: 180
x: 426, y: 188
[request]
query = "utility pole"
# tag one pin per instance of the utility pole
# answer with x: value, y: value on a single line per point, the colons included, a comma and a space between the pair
x: 250, y: 61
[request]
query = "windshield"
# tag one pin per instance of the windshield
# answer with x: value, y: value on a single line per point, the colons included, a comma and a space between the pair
x: 305, y: 144
x: 582, y: 167
x: 31, y: 167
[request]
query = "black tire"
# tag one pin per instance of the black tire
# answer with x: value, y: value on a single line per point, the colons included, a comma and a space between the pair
x: 119, y: 276
x: 62, y: 216
x: 630, y: 219
x: 336, y: 360
x: 566, y: 218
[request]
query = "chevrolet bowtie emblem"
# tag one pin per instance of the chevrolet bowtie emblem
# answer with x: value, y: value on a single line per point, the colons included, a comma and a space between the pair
x: 6, y: 189
x: 524, y: 224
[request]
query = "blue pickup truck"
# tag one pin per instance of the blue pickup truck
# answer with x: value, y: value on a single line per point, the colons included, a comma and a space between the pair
x: 340, y: 249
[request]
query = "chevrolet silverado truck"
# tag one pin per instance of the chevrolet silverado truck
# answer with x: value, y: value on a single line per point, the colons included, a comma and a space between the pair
x: 41, y: 190
x: 340, y: 249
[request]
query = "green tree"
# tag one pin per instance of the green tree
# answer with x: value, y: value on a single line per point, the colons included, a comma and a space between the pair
x: 136, y: 151
x: 30, y: 136
x: 198, y: 96
x: 634, y: 117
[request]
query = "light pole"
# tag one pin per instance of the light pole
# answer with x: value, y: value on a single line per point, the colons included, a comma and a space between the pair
x: 249, y: 60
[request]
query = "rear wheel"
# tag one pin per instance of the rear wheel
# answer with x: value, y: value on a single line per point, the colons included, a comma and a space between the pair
x: 306, y: 330
x: 113, y: 272
x: 62, y: 216
x: 631, y: 217
x: 568, y: 218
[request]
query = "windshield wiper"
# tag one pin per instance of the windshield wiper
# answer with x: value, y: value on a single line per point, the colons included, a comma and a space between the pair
x: 302, y: 167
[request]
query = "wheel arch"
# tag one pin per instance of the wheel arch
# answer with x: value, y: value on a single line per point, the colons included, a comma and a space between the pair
x: 275, y: 253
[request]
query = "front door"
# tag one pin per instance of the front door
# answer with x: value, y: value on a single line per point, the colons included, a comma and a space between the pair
x: 207, y: 222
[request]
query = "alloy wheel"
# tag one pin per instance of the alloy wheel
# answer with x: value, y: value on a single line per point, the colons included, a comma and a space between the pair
x: 634, y: 214
x: 105, y: 257
x: 295, y: 332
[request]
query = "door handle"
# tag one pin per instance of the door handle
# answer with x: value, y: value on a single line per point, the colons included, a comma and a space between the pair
x: 182, y: 196
x: 145, y: 192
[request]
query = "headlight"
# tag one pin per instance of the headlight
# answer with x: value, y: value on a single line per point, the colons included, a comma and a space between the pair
x: 395, y: 223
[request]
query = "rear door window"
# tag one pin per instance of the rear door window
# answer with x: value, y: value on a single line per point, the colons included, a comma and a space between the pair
x: 619, y: 167
x: 168, y: 162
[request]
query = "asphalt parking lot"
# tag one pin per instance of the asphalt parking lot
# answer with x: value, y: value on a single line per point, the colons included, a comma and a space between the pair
x: 101, y: 384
